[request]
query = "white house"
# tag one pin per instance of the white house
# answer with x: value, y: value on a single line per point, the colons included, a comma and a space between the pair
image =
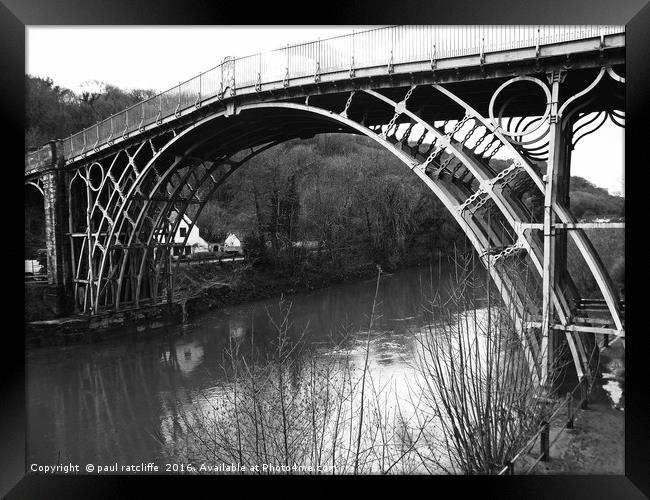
x: 232, y: 241
x: 187, y: 235
x: 232, y: 244
x: 32, y: 266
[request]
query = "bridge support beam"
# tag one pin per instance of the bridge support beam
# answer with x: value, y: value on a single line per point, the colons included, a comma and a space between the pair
x: 554, y: 248
x: 57, y: 245
x: 563, y: 197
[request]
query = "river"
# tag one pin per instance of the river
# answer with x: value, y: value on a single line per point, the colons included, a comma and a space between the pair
x: 123, y: 400
x: 107, y: 402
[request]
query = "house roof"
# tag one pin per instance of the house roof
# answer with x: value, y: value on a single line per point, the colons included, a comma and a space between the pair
x: 174, y: 214
x: 230, y: 238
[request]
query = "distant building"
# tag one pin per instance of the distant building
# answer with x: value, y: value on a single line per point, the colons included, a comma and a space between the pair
x: 187, y: 237
x: 32, y: 266
x: 232, y: 244
x: 38, y: 265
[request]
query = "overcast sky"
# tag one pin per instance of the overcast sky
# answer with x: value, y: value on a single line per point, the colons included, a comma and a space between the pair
x: 159, y: 57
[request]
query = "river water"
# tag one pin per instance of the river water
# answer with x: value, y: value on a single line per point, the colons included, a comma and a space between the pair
x: 124, y: 400
x: 111, y: 401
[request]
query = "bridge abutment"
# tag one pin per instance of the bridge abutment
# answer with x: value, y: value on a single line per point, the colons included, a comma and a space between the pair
x: 59, y: 279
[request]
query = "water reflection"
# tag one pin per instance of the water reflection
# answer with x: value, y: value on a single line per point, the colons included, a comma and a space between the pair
x: 118, y: 400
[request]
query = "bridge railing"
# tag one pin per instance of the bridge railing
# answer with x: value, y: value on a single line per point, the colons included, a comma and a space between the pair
x: 386, y: 46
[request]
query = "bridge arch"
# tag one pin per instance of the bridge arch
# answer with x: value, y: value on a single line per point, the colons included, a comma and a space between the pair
x: 144, y: 219
x: 129, y: 249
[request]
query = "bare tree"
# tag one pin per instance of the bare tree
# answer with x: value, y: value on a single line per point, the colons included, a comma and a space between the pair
x: 476, y: 383
x: 295, y: 412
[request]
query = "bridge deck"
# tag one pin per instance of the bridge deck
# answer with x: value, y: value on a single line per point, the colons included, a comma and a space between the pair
x: 476, y: 63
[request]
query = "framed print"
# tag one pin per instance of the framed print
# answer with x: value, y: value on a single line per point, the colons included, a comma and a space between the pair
x: 391, y: 244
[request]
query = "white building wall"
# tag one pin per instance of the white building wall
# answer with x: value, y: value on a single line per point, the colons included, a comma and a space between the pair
x: 194, y: 237
x: 232, y: 241
x: 191, y: 238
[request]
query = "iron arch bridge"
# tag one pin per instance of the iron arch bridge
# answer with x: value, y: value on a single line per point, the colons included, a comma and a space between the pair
x: 443, y: 100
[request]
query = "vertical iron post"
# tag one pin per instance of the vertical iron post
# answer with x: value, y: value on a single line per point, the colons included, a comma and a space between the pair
x: 178, y: 107
x: 352, y: 58
x: 286, y: 76
x: 234, y: 81
x: 170, y: 276
x: 198, y: 99
x: 544, y: 442
x: 584, y: 394
x: 89, y: 243
x: 555, y: 157
x: 569, y: 410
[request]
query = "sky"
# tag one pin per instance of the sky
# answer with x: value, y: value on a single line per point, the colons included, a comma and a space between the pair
x: 158, y: 57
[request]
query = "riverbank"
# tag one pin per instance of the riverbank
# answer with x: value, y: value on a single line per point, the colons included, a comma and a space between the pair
x: 224, y: 286
x: 241, y: 285
x: 38, y: 305
x: 596, y: 444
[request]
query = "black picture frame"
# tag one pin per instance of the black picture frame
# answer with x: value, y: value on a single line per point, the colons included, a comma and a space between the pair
x: 635, y: 14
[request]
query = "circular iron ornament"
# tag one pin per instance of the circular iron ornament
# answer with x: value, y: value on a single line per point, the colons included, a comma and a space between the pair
x: 497, y: 125
x: 101, y: 179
